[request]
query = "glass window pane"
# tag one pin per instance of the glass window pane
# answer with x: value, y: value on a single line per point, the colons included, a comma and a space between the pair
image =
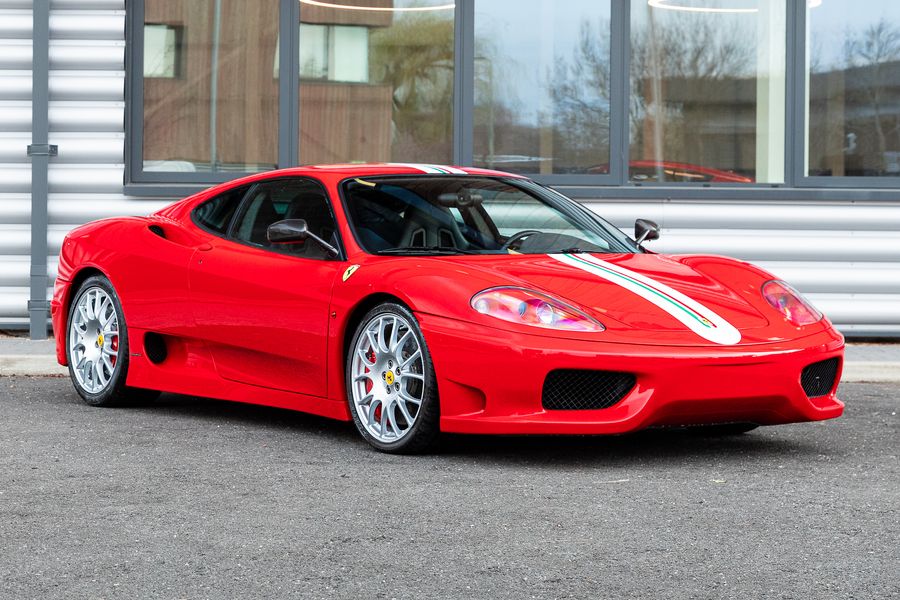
x: 853, y: 63
x: 387, y: 94
x: 210, y: 95
x: 313, y: 51
x: 542, y: 86
x: 161, y: 52
x: 707, y: 91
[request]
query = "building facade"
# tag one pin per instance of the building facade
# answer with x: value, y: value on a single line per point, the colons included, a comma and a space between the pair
x: 762, y: 129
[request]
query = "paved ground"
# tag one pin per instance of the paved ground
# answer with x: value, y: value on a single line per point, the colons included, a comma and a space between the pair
x: 196, y: 499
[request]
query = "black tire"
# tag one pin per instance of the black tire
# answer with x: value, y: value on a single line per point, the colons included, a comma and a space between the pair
x: 423, y: 433
x: 116, y: 393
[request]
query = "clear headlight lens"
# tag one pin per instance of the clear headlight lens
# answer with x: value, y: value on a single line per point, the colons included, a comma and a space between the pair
x: 790, y: 303
x: 527, y: 307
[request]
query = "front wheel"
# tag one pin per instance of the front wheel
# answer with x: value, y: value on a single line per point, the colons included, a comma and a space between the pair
x: 97, y: 346
x: 391, y: 385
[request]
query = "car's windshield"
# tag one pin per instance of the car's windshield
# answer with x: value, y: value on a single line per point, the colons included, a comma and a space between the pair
x: 472, y: 215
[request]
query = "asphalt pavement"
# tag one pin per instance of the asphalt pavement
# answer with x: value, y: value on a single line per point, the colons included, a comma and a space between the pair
x: 192, y: 498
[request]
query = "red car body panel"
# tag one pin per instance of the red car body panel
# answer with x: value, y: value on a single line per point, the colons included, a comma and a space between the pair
x: 245, y: 324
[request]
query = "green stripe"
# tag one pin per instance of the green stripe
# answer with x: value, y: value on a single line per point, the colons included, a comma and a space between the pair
x: 696, y: 316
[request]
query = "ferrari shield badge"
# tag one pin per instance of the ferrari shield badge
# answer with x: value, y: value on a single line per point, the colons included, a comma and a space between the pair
x: 350, y: 271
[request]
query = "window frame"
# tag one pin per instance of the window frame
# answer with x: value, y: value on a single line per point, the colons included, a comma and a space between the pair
x: 167, y: 183
x: 797, y: 185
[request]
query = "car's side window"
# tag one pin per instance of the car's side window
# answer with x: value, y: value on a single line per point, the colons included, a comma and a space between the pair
x: 215, y: 215
x: 275, y: 201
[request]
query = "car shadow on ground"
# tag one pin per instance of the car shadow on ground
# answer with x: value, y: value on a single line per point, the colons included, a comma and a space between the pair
x: 659, y: 446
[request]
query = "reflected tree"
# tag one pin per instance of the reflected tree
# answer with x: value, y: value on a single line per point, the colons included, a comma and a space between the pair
x: 415, y: 57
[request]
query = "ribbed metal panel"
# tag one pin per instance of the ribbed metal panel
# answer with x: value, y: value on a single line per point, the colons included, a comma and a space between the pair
x: 15, y: 169
x: 87, y: 106
x: 844, y: 256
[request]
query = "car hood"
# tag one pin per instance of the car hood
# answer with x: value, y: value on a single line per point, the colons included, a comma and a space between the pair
x: 652, y: 298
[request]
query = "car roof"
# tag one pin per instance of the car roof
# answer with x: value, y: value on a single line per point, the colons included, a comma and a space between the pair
x: 369, y: 169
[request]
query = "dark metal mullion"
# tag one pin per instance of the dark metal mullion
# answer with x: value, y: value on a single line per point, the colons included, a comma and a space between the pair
x: 464, y: 82
x: 289, y: 84
x: 620, y: 51
x: 795, y: 92
x: 40, y: 152
x: 134, y: 100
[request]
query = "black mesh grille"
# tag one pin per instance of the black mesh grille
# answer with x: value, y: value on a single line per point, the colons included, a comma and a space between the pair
x: 568, y: 389
x: 818, y: 378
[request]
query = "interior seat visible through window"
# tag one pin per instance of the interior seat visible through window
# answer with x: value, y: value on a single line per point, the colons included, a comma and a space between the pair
x: 288, y: 199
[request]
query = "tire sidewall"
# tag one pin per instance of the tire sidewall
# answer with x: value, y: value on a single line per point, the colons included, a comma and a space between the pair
x: 425, y: 429
x: 112, y: 393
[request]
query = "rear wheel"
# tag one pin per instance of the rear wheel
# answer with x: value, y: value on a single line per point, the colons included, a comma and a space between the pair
x: 391, y: 385
x: 97, y: 346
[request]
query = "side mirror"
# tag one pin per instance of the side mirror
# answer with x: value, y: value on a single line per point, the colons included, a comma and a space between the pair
x: 645, y: 230
x: 291, y: 231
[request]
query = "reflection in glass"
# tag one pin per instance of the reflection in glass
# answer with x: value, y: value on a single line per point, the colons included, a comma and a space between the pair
x: 707, y: 91
x: 542, y: 85
x: 210, y: 98
x: 854, y: 89
x: 376, y: 85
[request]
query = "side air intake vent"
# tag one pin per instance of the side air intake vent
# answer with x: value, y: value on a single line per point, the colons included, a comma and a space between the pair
x: 157, y: 230
x: 818, y: 378
x: 570, y: 389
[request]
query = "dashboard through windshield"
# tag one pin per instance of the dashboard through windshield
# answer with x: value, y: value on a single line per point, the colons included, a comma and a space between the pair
x: 472, y: 215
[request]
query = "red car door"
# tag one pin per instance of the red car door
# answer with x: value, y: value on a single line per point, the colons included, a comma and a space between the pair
x: 264, y: 309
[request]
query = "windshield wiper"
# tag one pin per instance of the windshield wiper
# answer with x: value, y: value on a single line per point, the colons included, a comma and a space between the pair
x: 573, y: 250
x: 419, y: 250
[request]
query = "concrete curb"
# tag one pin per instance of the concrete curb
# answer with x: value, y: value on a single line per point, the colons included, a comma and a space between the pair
x: 31, y: 365
x: 42, y: 365
x: 871, y: 372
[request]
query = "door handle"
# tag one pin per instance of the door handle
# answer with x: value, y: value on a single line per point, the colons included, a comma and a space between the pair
x: 204, y: 247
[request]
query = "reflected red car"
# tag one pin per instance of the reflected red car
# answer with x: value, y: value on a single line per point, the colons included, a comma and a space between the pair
x: 668, y: 171
x: 419, y: 299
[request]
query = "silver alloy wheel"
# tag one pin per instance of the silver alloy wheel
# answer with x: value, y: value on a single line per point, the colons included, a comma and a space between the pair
x: 94, y: 340
x: 388, y: 377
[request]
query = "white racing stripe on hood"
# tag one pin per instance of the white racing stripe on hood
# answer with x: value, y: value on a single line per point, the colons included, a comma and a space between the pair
x: 688, y: 311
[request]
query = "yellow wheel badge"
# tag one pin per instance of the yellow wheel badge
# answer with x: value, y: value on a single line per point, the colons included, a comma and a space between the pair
x: 100, y: 340
x: 389, y: 378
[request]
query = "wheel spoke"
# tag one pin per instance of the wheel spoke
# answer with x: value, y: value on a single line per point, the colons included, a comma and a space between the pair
x: 384, y: 416
x: 392, y: 341
x: 409, y: 399
x: 364, y: 356
x: 382, y: 344
x: 107, y: 363
x: 366, y: 399
x: 411, y: 358
x: 404, y: 411
x: 411, y: 375
x: 372, y: 408
x: 399, y: 343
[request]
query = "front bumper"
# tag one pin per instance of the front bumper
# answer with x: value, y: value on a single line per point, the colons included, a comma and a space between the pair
x: 490, y: 381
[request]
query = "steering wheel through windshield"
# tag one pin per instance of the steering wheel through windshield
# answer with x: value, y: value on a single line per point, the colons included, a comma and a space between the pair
x: 516, y: 237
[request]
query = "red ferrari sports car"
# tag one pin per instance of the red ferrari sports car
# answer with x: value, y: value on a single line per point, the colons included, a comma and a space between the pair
x: 414, y: 299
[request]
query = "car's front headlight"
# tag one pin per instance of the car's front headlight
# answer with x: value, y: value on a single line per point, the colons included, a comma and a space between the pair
x: 790, y: 303
x: 527, y: 307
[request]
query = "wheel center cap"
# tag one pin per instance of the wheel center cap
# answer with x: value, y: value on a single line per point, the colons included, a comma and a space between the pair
x: 100, y: 340
x: 389, y: 378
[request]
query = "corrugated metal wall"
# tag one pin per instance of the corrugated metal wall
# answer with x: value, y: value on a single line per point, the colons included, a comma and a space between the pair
x: 846, y: 256
x: 15, y: 168
x: 87, y: 115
